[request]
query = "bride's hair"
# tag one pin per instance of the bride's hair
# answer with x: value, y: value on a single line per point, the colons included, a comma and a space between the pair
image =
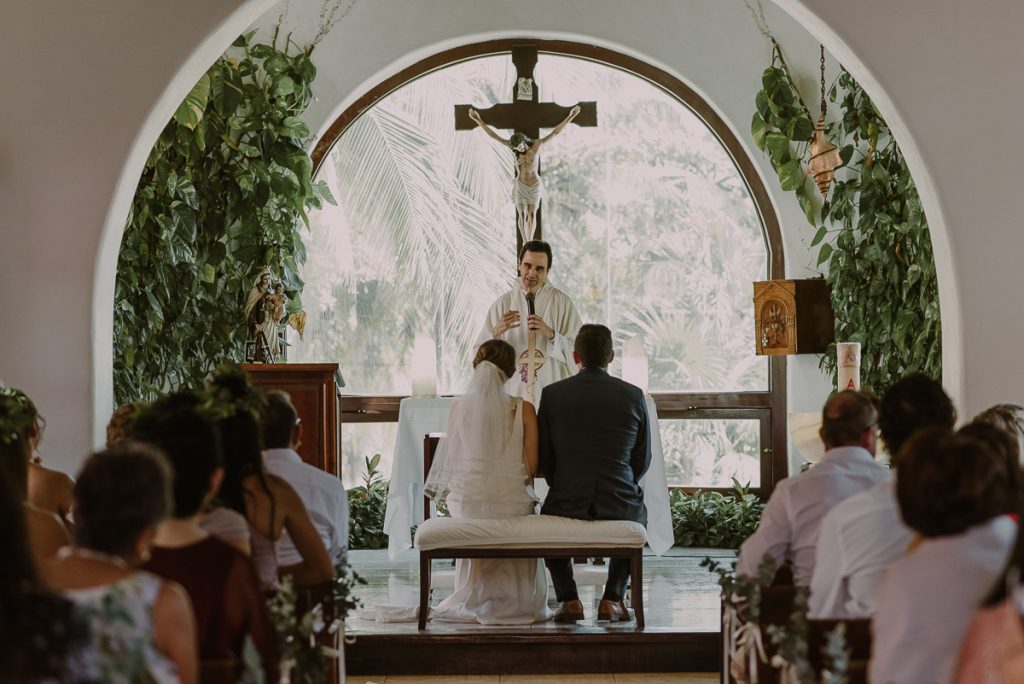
x: 498, y: 352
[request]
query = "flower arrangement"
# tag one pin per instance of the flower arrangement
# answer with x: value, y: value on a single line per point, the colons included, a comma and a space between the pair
x: 17, y: 414
x: 228, y: 391
x: 303, y: 657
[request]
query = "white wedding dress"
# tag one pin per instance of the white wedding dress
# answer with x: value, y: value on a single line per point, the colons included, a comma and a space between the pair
x: 480, y: 472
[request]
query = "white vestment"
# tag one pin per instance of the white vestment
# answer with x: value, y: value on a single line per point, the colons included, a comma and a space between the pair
x: 553, y: 357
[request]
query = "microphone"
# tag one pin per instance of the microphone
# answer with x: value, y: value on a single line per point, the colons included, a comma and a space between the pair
x: 529, y: 303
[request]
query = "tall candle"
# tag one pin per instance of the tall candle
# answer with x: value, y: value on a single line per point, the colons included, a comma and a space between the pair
x: 634, y: 362
x: 424, y: 367
x: 848, y: 359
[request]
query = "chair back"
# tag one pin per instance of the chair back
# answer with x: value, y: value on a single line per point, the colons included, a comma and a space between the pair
x: 430, y: 442
x: 218, y: 670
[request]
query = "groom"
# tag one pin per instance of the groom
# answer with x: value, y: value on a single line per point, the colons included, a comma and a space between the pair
x: 594, y: 448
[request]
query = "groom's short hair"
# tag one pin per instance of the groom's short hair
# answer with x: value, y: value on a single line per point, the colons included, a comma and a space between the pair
x: 594, y: 345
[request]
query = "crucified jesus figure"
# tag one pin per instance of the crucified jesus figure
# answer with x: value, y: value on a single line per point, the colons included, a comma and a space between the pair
x: 528, y: 188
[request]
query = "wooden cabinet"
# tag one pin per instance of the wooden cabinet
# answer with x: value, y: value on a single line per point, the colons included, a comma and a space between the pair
x: 314, y: 393
x: 793, y: 316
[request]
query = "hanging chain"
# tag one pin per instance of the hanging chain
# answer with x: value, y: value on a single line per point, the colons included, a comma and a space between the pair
x: 823, y: 105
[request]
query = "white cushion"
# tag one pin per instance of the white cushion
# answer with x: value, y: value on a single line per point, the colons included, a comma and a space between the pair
x: 528, y: 531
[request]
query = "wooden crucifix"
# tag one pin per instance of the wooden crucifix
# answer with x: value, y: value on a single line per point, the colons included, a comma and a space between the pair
x: 525, y: 116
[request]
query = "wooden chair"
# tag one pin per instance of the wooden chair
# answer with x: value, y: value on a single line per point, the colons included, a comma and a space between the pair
x: 218, y: 670
x: 306, y: 599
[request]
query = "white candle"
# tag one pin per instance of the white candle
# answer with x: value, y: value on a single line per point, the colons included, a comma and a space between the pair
x: 424, y: 366
x: 634, y: 362
x: 848, y: 361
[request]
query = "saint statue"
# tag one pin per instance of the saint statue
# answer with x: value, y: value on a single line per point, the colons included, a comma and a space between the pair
x: 527, y: 189
x: 264, y: 310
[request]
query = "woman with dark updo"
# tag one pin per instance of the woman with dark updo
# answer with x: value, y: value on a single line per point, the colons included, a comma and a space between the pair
x: 271, y: 506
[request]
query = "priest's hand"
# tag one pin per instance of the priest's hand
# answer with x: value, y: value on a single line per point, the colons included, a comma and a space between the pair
x: 508, y: 320
x: 537, y: 323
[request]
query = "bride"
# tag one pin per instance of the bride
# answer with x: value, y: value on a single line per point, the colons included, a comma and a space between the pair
x: 484, y: 469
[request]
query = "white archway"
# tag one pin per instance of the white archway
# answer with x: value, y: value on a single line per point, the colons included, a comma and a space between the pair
x: 105, y: 270
x: 949, y: 288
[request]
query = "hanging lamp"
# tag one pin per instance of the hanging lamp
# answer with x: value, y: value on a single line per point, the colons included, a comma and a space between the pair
x: 824, y: 156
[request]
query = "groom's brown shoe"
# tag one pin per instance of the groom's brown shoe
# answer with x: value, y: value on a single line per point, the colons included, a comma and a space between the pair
x: 615, y: 611
x: 570, y: 611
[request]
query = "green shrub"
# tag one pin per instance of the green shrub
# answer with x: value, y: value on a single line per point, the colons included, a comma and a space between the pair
x: 714, y: 519
x: 367, y: 504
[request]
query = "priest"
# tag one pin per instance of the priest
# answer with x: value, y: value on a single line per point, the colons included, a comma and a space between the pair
x: 554, y: 323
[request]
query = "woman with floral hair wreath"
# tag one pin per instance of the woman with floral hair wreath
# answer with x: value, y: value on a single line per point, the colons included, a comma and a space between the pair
x: 18, y: 417
x: 271, y: 506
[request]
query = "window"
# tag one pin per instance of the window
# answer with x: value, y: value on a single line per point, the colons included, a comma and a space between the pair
x: 653, y: 225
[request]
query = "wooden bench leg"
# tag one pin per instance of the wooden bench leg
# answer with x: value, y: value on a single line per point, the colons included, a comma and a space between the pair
x: 424, y: 589
x: 637, y: 582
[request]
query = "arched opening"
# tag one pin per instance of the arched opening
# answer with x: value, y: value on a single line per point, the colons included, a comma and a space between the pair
x: 658, y: 221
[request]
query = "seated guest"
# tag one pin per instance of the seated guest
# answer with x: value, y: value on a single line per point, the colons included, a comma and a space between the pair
x: 143, y: 629
x: 120, y: 421
x: 323, y: 493
x: 956, y: 491
x: 18, y: 417
x: 993, y: 650
x: 43, y: 638
x: 49, y: 490
x: 1006, y: 417
x: 219, y: 579
x: 270, y: 505
x: 861, y: 536
x: 789, y: 525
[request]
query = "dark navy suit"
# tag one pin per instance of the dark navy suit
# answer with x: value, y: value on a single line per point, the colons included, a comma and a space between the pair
x: 594, y: 448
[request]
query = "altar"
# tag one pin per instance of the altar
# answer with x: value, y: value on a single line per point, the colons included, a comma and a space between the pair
x: 418, y: 416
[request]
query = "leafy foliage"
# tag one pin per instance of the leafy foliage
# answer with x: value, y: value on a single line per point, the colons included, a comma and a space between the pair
x: 367, y: 504
x: 743, y: 593
x: 782, y: 118
x: 714, y: 519
x: 872, y: 236
x: 220, y: 197
x: 298, y: 648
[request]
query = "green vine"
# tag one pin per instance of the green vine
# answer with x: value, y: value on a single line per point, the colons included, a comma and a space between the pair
x: 872, y: 235
x: 221, y: 196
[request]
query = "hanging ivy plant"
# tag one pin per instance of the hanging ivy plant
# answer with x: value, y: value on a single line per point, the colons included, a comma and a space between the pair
x: 872, y: 235
x: 222, y: 195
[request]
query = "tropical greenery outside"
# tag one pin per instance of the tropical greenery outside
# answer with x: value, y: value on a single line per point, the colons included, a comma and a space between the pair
x: 652, y: 227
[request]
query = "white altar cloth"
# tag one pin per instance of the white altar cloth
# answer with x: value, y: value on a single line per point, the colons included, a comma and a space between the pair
x: 418, y: 416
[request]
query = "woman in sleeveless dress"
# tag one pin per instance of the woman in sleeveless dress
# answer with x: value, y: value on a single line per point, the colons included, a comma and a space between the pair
x: 270, y: 505
x: 484, y: 469
x: 143, y: 627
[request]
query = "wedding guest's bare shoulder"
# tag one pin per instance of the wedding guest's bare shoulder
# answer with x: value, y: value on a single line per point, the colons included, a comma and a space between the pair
x: 51, y: 490
x: 46, y: 533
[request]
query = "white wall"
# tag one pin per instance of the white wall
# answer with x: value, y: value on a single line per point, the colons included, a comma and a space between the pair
x: 80, y: 83
x: 86, y: 91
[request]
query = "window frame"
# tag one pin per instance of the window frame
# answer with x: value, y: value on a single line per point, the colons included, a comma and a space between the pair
x: 770, y: 406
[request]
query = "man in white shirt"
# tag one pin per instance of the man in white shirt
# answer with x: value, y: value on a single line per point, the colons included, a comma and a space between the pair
x: 555, y: 323
x: 863, y: 535
x: 323, y: 493
x: 791, y: 519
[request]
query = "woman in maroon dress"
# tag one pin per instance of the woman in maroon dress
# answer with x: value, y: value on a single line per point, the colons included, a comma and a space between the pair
x: 231, y: 615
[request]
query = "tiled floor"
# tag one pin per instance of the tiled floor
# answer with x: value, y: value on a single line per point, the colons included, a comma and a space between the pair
x: 643, y: 678
x: 679, y: 596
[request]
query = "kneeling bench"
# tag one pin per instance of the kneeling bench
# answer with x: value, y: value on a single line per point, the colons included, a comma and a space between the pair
x: 531, y: 536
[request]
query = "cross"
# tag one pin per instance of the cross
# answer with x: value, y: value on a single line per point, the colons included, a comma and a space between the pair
x: 525, y: 114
